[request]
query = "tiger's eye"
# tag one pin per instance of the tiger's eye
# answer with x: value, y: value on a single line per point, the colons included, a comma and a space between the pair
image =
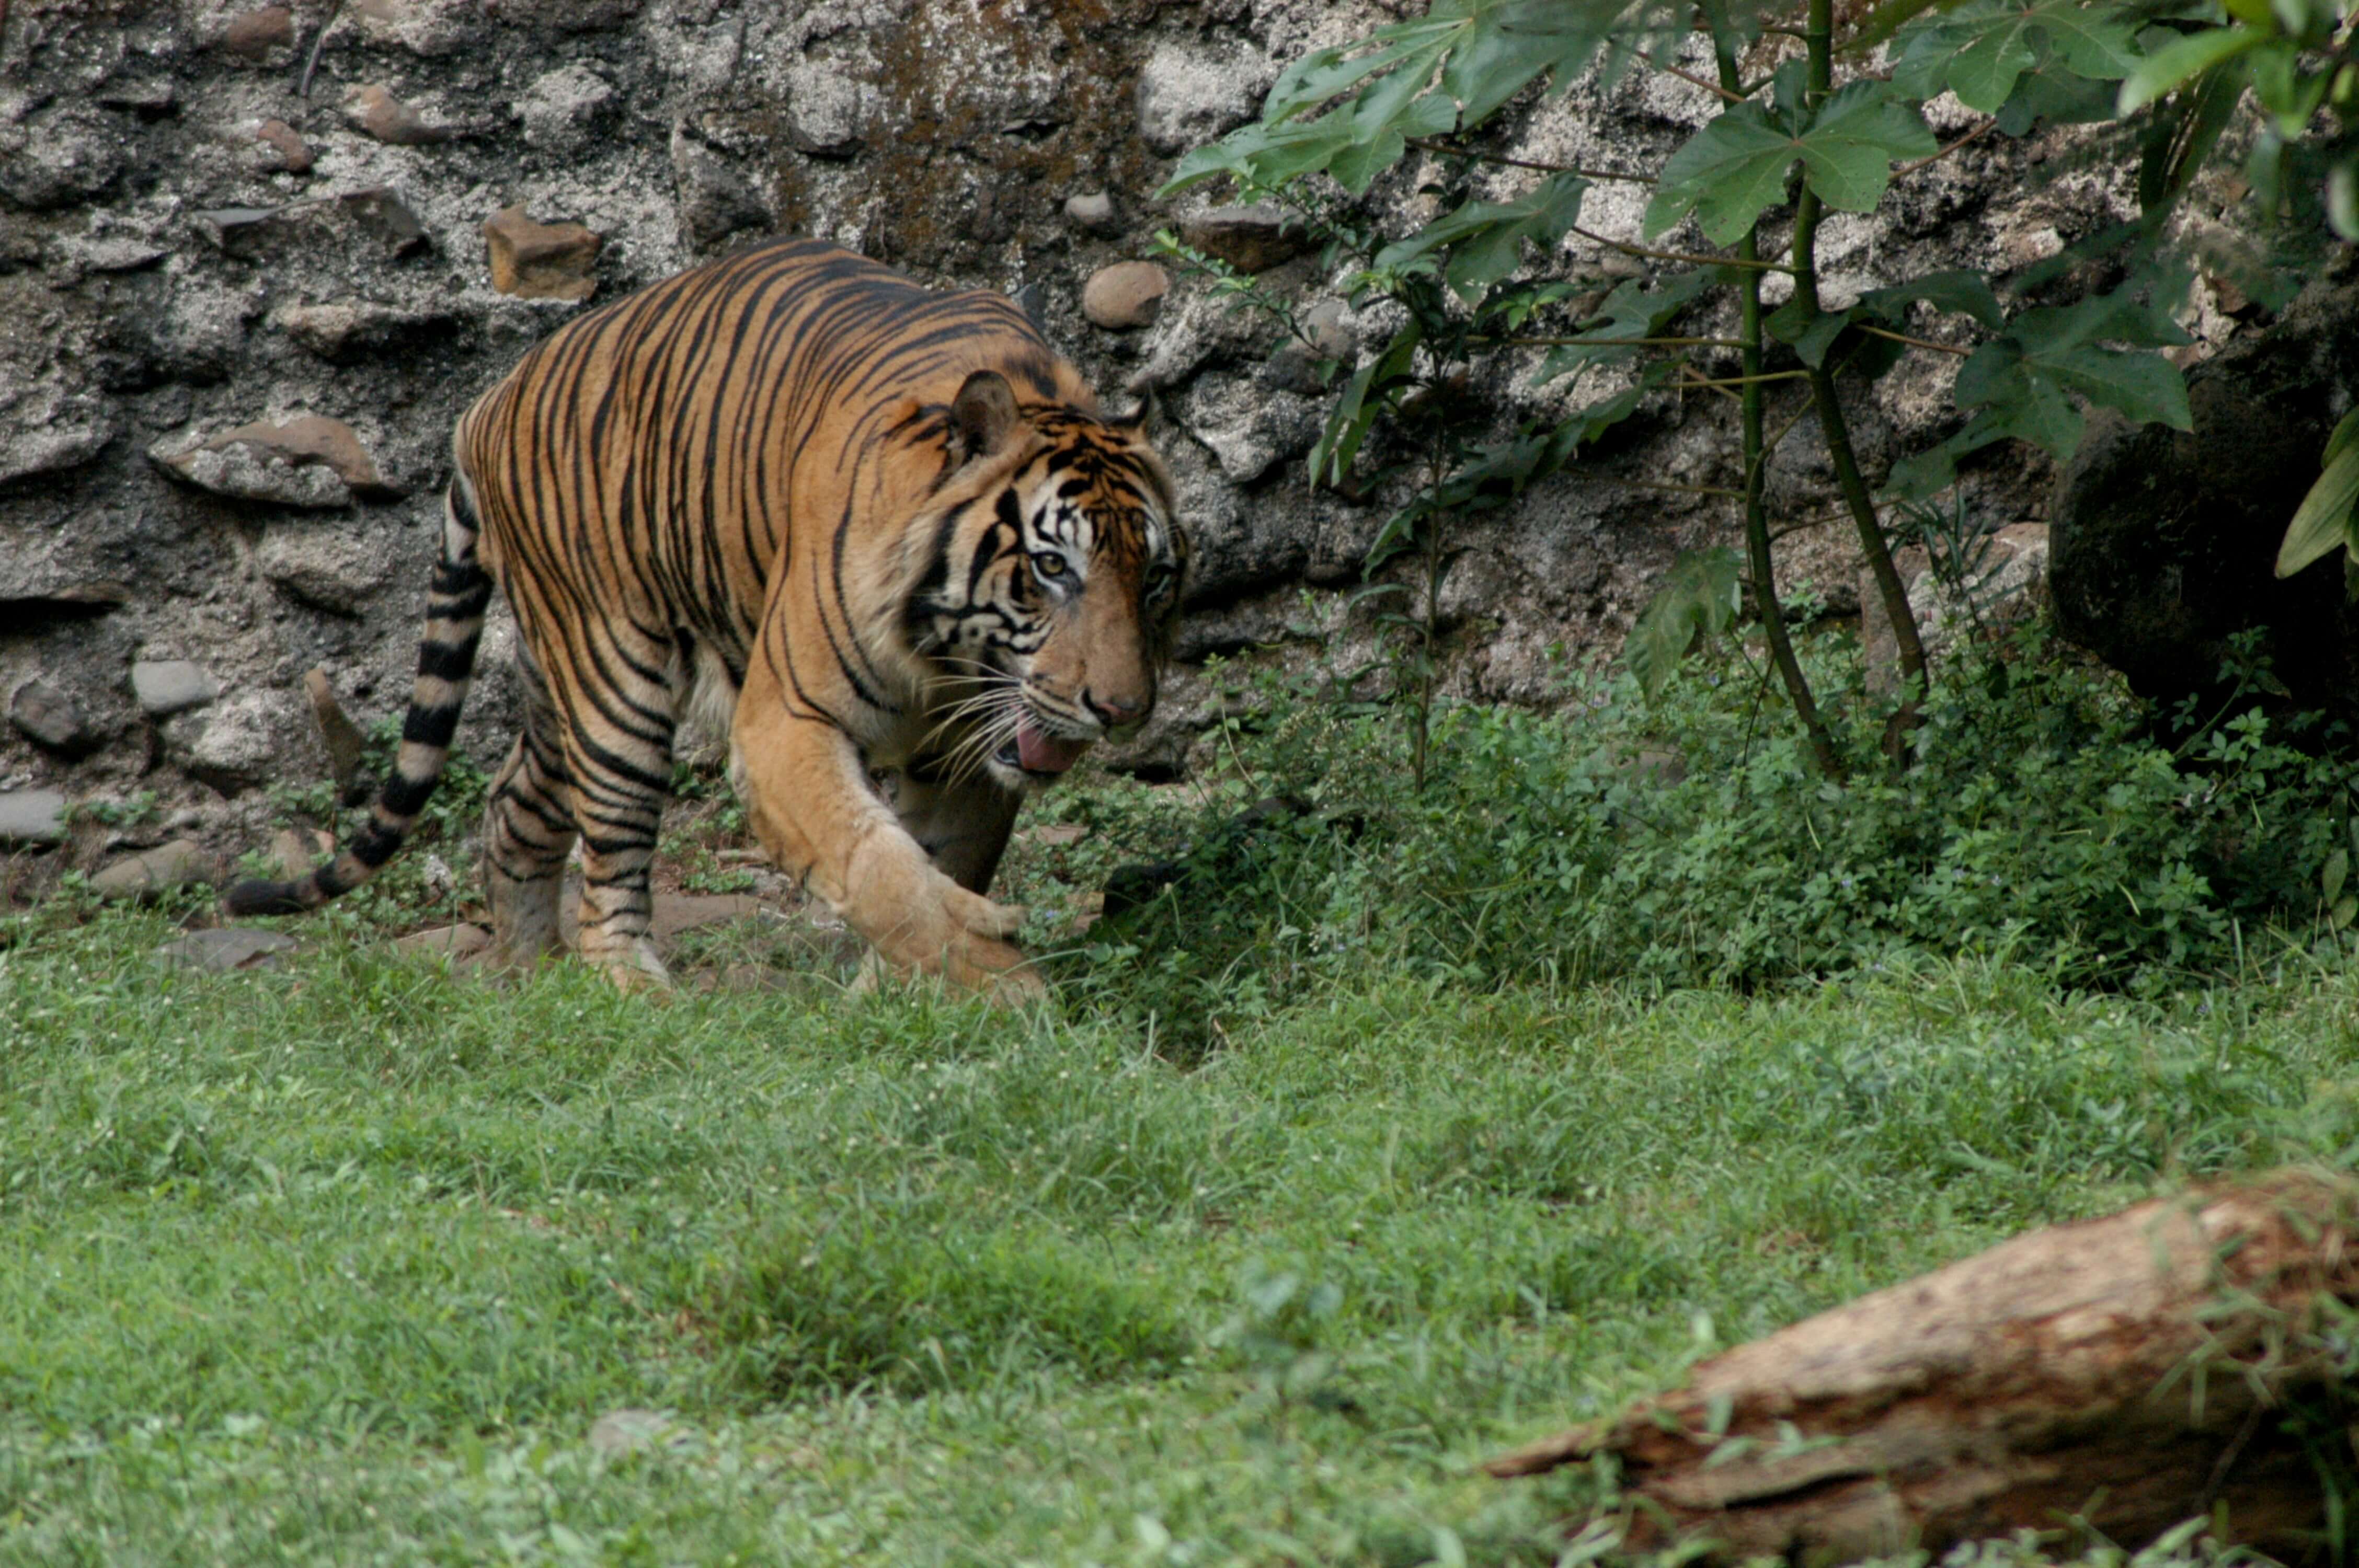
x: 1048, y: 566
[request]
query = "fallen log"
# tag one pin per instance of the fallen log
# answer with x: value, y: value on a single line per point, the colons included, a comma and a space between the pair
x: 2191, y: 1355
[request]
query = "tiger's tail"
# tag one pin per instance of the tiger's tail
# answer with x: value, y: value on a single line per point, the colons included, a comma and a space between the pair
x: 446, y: 661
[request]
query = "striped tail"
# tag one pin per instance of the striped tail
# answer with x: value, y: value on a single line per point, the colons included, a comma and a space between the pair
x: 445, y: 661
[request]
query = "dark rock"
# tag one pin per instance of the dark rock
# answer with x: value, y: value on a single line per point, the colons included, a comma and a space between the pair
x: 63, y: 157
x: 347, y: 332
x: 148, y: 97
x: 32, y: 816
x: 566, y: 16
x: 714, y: 201
x: 2164, y: 542
x: 1251, y: 239
x: 541, y: 260
x: 47, y: 717
x: 165, y: 686
x: 71, y: 601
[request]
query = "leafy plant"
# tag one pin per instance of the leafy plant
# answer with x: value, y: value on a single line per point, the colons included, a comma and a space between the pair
x: 1480, y: 284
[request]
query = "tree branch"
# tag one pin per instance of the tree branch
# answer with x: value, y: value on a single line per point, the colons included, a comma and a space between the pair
x: 1428, y: 145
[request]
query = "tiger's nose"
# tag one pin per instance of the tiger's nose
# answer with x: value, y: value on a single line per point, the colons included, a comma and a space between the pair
x: 1114, y: 712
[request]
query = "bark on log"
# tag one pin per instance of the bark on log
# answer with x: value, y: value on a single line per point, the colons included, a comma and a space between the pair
x: 2128, y: 1373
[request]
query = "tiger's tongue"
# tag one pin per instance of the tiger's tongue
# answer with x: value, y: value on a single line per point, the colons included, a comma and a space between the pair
x: 1044, y: 753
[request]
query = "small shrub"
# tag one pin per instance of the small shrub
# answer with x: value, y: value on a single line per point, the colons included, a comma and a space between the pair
x: 2043, y: 821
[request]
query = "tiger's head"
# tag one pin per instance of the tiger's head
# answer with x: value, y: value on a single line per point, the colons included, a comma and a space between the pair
x: 1053, y: 588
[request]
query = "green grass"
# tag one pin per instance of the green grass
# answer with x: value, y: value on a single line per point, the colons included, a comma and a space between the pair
x: 342, y: 1264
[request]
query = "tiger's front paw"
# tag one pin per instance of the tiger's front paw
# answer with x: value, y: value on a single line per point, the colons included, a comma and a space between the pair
x: 921, y: 920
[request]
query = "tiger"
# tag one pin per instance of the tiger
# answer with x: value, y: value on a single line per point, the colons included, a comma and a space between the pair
x: 882, y: 533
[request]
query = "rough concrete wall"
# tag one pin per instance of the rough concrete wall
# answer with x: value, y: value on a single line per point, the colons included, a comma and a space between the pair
x: 189, y: 248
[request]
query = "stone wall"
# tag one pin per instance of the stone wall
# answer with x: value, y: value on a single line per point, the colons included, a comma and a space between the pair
x: 237, y: 322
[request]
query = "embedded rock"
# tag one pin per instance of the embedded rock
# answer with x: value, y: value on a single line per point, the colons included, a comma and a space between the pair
x: 714, y: 201
x: 257, y: 34
x: 165, y: 686
x: 347, y: 331
x: 282, y: 148
x: 32, y: 816
x: 310, y: 461
x: 1190, y: 93
x: 380, y: 213
x: 345, y: 744
x: 825, y: 112
x: 1251, y: 239
x: 63, y: 156
x: 150, y: 872
x: 226, y: 949
x: 48, y: 717
x: 334, y: 567
x: 541, y: 260
x: 1093, y: 212
x: 561, y: 110
x: 1125, y: 296
x: 376, y: 112
x: 241, y: 742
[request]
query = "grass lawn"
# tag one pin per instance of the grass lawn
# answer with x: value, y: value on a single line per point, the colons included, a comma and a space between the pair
x: 357, y: 1261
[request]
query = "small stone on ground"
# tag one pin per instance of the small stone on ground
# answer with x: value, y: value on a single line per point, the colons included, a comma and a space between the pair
x: 150, y: 871
x: 226, y: 948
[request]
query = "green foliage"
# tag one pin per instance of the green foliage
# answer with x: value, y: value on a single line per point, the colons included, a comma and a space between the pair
x: 362, y: 1261
x: 2028, y: 383
x: 1733, y: 169
x: 2327, y: 518
x: 1700, y: 598
x: 1688, y: 842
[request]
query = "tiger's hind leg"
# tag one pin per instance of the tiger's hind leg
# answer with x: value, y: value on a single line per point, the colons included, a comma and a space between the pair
x: 619, y: 761
x: 529, y: 831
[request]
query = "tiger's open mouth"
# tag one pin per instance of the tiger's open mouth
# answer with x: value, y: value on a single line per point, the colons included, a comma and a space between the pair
x: 1037, y: 751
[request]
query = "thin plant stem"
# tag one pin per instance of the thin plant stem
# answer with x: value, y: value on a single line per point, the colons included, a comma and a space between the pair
x: 1628, y: 249
x: 1873, y: 547
x: 1914, y: 342
x: 1427, y: 145
x: 1762, y: 569
x: 1930, y: 160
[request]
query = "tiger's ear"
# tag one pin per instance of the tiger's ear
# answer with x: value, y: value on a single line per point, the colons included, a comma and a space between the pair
x: 983, y: 413
x: 1140, y: 423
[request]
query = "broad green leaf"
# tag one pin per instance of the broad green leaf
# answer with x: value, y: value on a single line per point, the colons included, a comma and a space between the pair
x: 2338, y: 868
x: 1734, y: 168
x: 2345, y: 436
x: 1980, y: 50
x: 2029, y: 382
x: 2174, y: 63
x: 1956, y: 290
x: 1484, y: 238
x: 1698, y: 598
x: 1638, y: 308
x: 2323, y: 522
